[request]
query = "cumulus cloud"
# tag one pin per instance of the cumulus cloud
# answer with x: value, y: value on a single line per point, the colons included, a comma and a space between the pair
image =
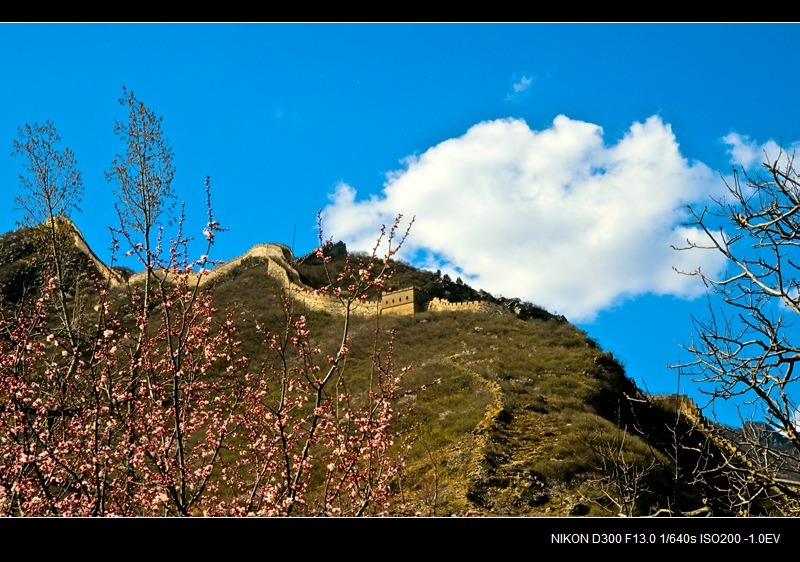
x: 751, y: 155
x: 556, y: 217
x: 746, y: 152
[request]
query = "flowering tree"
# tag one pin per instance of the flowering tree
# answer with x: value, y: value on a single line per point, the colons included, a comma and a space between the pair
x: 110, y: 425
x: 202, y: 429
x: 313, y: 447
x: 148, y: 406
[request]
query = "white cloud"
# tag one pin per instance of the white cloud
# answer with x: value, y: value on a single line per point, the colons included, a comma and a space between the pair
x: 555, y: 217
x: 750, y: 155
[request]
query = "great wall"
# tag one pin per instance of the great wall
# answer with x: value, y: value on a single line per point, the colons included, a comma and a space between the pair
x: 436, y: 305
x: 279, y: 259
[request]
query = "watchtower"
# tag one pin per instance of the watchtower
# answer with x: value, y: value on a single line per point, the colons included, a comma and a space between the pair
x: 403, y: 301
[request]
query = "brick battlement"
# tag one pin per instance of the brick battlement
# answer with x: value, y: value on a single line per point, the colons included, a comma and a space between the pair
x: 280, y: 266
x: 411, y: 300
x: 437, y: 304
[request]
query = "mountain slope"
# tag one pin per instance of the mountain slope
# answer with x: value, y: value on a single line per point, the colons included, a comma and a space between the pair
x: 520, y: 413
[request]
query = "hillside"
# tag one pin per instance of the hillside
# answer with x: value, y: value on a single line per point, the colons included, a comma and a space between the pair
x: 530, y: 417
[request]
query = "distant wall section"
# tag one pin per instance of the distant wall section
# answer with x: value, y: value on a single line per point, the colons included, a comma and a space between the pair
x: 440, y: 305
x: 412, y: 300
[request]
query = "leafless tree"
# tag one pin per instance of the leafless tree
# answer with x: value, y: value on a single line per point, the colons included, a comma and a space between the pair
x: 51, y: 184
x: 623, y: 479
x: 51, y: 188
x: 143, y: 176
x: 747, y: 346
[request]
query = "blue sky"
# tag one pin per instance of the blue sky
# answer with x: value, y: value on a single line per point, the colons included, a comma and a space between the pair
x: 549, y: 162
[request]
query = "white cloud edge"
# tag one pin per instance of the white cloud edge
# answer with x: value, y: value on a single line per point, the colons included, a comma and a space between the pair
x: 566, y: 169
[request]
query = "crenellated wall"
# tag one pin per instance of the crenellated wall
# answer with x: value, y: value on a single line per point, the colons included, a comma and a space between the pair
x: 437, y: 304
x: 279, y: 266
x: 279, y: 258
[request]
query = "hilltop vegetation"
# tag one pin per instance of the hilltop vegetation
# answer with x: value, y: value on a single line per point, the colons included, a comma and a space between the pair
x: 509, y: 414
